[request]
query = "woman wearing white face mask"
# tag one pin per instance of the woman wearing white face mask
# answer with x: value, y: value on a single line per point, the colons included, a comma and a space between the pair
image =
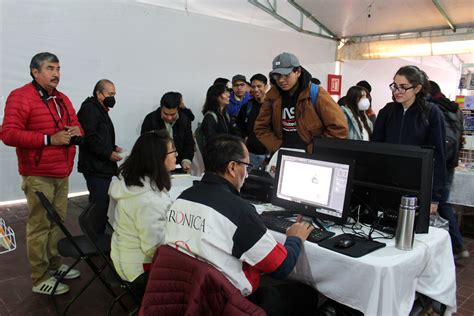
x: 356, y: 105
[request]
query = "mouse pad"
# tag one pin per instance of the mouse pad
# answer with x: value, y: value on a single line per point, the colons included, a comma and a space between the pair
x: 361, y: 247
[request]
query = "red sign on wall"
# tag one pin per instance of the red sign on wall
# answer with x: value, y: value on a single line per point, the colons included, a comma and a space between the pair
x: 334, y: 84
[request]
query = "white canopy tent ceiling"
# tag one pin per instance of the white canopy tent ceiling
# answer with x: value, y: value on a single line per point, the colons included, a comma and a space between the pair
x: 363, y: 18
x: 369, y: 29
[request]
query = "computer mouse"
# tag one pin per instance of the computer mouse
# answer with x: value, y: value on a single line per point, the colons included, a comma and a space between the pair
x: 344, y: 243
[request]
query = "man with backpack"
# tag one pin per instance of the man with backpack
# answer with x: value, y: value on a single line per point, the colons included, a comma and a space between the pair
x: 246, y: 120
x: 453, y: 121
x: 295, y: 110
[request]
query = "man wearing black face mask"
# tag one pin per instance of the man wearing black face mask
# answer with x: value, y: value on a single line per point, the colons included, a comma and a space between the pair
x: 98, y: 154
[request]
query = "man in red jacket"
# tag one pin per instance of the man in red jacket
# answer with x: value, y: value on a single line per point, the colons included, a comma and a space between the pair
x: 42, y: 124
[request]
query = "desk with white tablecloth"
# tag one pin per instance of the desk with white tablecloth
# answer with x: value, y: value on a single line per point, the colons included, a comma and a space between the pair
x: 385, y: 281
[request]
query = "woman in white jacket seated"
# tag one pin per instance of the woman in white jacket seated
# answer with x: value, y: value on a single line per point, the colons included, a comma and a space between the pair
x: 142, y: 198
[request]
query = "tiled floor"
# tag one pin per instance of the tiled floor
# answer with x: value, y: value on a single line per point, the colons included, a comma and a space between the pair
x: 16, y: 297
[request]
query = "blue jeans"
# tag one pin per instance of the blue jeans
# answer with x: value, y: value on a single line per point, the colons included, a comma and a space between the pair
x: 99, y: 195
x: 446, y: 211
x: 256, y: 160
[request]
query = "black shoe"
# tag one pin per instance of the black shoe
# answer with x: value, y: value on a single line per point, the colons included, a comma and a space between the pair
x: 460, y: 252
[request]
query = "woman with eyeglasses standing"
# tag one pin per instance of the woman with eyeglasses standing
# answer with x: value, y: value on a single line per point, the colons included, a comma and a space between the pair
x: 355, y: 107
x: 411, y: 120
x: 142, y: 199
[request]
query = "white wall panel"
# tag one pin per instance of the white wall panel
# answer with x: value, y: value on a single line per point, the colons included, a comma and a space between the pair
x: 145, y: 50
x: 379, y: 73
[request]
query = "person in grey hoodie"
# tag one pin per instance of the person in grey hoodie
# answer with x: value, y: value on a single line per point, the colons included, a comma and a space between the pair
x: 141, y: 197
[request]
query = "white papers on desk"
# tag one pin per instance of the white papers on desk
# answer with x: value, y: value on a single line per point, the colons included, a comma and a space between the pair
x: 267, y: 207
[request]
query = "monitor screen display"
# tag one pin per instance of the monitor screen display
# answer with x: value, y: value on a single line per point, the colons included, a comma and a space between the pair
x: 318, y: 187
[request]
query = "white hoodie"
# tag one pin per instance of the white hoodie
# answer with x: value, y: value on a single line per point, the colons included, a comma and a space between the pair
x: 138, y: 227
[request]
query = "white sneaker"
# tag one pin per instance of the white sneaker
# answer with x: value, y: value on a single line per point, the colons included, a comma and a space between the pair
x: 62, y: 269
x: 46, y: 287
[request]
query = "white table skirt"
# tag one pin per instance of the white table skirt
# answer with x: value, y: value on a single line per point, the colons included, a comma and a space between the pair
x: 383, y: 282
x: 462, y: 189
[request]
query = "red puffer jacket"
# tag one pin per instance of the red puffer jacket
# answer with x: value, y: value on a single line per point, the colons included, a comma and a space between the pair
x: 179, y: 284
x: 27, y: 120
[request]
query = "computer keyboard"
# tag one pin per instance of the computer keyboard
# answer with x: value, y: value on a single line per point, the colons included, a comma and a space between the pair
x: 279, y: 224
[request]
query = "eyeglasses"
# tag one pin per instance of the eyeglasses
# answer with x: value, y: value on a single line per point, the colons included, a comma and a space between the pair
x: 248, y: 166
x: 402, y: 89
x: 173, y: 152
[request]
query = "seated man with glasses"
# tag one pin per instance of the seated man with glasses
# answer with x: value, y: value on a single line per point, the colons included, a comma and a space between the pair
x: 288, y: 118
x: 210, y: 221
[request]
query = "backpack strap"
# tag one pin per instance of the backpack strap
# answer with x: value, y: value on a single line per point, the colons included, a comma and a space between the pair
x: 214, y: 115
x: 425, y: 114
x: 313, y: 93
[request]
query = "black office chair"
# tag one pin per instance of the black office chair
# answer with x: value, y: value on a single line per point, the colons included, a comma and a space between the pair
x: 78, y: 248
x: 90, y: 225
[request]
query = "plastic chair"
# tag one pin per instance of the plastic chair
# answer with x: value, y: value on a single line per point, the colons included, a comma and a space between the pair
x: 89, y: 225
x: 78, y: 248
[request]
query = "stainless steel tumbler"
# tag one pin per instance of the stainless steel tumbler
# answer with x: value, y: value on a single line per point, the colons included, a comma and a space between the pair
x: 405, y: 233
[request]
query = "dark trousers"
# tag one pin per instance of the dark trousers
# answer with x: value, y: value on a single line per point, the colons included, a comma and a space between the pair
x: 446, y: 211
x: 99, y: 195
x: 285, y: 298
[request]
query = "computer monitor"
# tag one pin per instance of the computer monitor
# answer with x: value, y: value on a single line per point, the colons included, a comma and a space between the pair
x: 316, y: 187
x: 382, y: 174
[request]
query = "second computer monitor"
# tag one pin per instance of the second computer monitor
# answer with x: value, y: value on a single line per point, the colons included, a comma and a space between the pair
x: 318, y: 187
x: 383, y: 173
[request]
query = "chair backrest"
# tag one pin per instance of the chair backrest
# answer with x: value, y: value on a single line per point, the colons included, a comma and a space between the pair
x: 88, y: 220
x: 54, y: 217
x: 88, y: 224
x: 179, y: 284
x: 101, y: 241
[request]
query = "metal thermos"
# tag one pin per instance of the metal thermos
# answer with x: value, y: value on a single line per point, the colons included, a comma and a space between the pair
x: 405, y: 233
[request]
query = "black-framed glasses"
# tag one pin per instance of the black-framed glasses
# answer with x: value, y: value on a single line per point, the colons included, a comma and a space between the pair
x: 248, y: 166
x: 402, y: 89
x: 173, y: 152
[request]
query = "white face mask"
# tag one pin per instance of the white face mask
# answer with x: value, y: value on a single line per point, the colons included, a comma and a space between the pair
x: 363, y: 104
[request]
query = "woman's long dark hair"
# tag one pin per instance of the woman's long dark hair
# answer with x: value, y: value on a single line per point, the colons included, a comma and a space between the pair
x: 416, y: 76
x: 352, y: 98
x: 211, y: 103
x: 147, y: 159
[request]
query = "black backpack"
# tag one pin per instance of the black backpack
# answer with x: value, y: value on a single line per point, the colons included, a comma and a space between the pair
x: 453, y: 122
x: 199, y: 135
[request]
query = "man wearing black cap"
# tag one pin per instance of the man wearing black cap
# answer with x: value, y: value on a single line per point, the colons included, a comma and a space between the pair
x: 238, y: 96
x: 288, y: 117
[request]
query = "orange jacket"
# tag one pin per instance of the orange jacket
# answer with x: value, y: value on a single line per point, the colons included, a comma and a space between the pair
x: 332, y: 122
